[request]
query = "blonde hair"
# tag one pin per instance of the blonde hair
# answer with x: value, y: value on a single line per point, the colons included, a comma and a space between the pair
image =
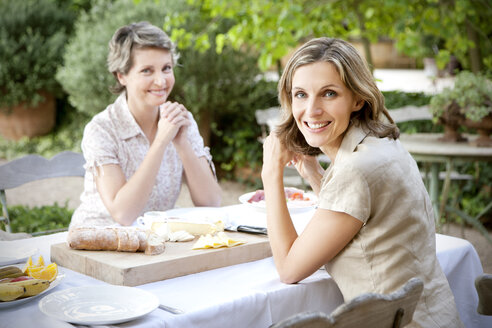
x: 356, y: 76
x: 135, y: 36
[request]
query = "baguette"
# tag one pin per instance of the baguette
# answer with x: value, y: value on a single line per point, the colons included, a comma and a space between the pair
x: 122, y: 239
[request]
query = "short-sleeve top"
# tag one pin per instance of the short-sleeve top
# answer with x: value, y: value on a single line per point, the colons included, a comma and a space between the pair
x: 114, y: 137
x: 377, y: 181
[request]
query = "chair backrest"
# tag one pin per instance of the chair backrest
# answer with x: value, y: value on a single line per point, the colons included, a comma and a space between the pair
x: 34, y: 167
x: 410, y: 113
x: 483, y: 284
x: 266, y: 119
x: 368, y: 310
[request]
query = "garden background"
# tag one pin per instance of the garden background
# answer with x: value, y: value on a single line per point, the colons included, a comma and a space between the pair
x: 231, y: 53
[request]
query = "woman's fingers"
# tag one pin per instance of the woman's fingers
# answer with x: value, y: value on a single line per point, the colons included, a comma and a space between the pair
x: 175, y: 113
x: 274, y: 150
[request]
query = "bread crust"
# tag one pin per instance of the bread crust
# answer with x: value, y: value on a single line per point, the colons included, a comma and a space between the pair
x: 123, y: 239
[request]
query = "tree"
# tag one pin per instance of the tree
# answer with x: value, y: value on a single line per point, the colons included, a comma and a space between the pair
x: 273, y: 28
x: 420, y: 28
x: 448, y: 27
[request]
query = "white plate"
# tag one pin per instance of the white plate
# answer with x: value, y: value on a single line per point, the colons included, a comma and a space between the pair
x: 10, y: 255
x: 98, y: 304
x: 53, y: 284
x: 293, y: 206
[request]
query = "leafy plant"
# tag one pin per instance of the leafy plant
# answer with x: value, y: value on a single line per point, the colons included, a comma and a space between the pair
x: 459, y: 28
x: 471, y: 92
x: 39, y: 219
x: 397, y: 99
x: 33, y: 34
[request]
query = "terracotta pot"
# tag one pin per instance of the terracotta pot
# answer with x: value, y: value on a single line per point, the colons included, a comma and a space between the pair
x: 452, y: 119
x: 23, y: 120
x: 484, y: 129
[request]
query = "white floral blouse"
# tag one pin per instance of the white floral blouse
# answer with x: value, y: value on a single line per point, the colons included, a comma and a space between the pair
x: 114, y: 137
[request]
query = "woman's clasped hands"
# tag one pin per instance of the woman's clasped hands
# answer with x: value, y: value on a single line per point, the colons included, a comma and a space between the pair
x: 173, y: 121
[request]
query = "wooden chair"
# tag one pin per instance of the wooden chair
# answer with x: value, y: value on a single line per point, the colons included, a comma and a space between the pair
x: 367, y: 310
x: 483, y: 284
x: 34, y: 167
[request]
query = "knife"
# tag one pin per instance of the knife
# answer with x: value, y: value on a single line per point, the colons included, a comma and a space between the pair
x: 170, y: 309
x: 231, y: 226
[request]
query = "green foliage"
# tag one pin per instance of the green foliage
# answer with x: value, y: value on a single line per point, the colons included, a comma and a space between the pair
x: 442, y: 28
x: 236, y: 133
x: 472, y: 92
x: 273, y: 28
x: 39, y: 219
x: 398, y: 99
x: 420, y: 28
x: 33, y: 34
x: 216, y: 87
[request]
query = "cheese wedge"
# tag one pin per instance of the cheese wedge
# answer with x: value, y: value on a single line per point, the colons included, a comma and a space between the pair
x: 194, y: 228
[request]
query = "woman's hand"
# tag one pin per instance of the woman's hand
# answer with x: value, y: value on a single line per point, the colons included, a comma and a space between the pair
x: 173, y: 121
x: 275, y: 157
x: 309, y: 169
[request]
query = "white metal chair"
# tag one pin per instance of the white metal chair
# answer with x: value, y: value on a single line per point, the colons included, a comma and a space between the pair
x: 34, y: 167
x: 368, y: 310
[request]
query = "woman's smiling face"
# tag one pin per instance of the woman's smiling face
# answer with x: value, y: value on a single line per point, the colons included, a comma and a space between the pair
x: 322, y: 105
x: 150, y: 79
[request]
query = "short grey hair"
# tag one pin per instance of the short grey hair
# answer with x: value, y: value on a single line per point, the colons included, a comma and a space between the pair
x: 135, y: 36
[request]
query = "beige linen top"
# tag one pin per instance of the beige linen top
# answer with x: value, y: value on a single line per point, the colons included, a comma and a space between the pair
x: 377, y: 181
x: 114, y: 137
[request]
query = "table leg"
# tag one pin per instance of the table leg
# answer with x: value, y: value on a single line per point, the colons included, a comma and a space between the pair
x: 3, y: 201
x: 446, y: 185
x: 434, y: 192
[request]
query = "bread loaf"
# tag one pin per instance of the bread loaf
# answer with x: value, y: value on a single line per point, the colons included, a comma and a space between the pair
x: 123, y: 239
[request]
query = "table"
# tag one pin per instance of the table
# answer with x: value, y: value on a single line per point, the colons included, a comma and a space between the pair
x: 427, y: 148
x: 248, y: 294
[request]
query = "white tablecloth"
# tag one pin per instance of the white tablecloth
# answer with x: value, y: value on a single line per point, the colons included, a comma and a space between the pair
x: 248, y: 294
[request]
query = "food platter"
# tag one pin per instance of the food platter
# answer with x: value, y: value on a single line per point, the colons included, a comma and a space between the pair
x: 98, y: 304
x: 308, y: 202
x: 53, y: 284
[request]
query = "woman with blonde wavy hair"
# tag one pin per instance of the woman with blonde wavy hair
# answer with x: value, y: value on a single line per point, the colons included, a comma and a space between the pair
x: 373, y: 228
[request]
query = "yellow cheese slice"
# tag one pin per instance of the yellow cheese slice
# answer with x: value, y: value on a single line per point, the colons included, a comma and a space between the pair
x: 219, y: 240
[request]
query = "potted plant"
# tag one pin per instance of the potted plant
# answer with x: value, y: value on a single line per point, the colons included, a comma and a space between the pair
x: 33, y: 34
x: 468, y: 103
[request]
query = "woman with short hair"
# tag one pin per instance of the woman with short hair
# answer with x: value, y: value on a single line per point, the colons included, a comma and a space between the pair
x: 140, y: 148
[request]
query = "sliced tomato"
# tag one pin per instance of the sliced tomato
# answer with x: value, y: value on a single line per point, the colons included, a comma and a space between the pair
x: 297, y: 195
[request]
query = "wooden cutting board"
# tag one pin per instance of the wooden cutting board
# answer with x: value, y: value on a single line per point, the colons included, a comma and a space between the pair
x: 133, y: 269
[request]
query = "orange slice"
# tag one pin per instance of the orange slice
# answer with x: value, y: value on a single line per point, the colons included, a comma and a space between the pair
x: 27, y: 265
x: 40, y: 261
x: 48, y: 272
